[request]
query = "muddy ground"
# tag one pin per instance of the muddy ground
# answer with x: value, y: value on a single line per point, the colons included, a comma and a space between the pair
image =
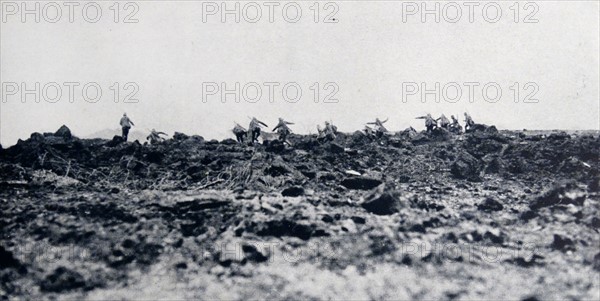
x: 484, y: 215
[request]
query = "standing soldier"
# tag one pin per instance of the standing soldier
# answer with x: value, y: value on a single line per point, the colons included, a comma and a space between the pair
x: 379, y: 128
x: 254, y: 129
x: 283, y: 130
x: 239, y: 132
x: 430, y: 123
x: 126, y: 124
x: 469, y: 123
x: 444, y: 122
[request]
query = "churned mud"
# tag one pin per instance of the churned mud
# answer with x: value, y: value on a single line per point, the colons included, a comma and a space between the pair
x: 484, y: 215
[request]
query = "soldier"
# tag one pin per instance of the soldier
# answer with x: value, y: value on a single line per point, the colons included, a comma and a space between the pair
x: 430, y: 123
x: 155, y: 137
x: 282, y: 129
x: 379, y: 128
x: 444, y: 122
x: 469, y: 123
x: 254, y: 129
x: 126, y: 124
x: 239, y: 132
x: 329, y: 133
x: 455, y: 126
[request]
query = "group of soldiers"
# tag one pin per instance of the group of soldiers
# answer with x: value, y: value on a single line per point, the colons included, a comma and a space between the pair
x: 327, y: 133
x: 377, y: 128
x: 283, y: 130
x: 431, y: 123
x: 126, y: 124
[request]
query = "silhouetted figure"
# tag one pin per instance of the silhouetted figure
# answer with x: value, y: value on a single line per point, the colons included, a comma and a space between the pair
x: 328, y: 133
x: 444, y: 122
x: 155, y: 137
x: 469, y: 123
x: 380, y: 130
x: 240, y: 132
x: 126, y: 124
x: 254, y: 129
x: 282, y: 129
x: 430, y: 123
x: 455, y: 127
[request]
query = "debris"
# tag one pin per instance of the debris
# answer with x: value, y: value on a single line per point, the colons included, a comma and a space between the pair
x: 293, y: 191
x: 382, y: 201
x: 362, y: 183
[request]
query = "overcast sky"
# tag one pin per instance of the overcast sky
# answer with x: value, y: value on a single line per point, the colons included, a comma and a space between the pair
x: 368, y: 54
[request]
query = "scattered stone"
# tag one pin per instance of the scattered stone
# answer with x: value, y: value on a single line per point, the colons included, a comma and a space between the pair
x: 352, y: 172
x: 358, y: 219
x: 564, y: 194
x: 596, y: 263
x: 562, y: 243
x: 7, y: 259
x: 293, y: 191
x: 180, y: 136
x: 62, y: 279
x: 251, y: 253
x: 336, y: 148
x: 490, y: 204
x: 116, y: 140
x: 278, y: 168
x: 382, y: 201
x: 362, y: 183
x: 327, y: 218
x: 274, y: 146
x: 155, y: 156
x: 466, y: 167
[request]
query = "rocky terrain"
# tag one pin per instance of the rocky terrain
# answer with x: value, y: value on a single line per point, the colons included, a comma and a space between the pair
x: 483, y: 215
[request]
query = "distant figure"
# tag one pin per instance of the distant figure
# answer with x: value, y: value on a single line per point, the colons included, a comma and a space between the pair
x: 126, y: 124
x: 455, y: 127
x: 239, y: 132
x: 469, y: 123
x: 379, y: 128
x: 430, y: 123
x: 444, y: 122
x: 328, y: 133
x: 254, y: 129
x: 283, y: 130
x: 155, y: 137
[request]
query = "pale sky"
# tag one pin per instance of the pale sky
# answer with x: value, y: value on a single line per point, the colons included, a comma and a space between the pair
x: 369, y: 53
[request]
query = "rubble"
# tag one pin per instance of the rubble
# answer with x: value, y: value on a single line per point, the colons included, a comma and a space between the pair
x: 353, y: 207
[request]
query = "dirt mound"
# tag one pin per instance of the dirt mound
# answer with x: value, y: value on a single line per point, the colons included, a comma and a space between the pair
x: 108, y: 219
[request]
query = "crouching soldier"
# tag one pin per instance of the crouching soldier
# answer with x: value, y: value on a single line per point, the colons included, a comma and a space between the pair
x: 239, y: 132
x: 328, y: 134
x: 254, y: 129
x: 455, y: 127
x: 380, y: 130
x: 155, y: 137
x: 126, y: 124
x: 283, y: 130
